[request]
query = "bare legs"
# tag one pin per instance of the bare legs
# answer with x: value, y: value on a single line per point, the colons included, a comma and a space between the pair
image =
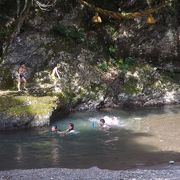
x: 55, y: 82
x: 21, y: 82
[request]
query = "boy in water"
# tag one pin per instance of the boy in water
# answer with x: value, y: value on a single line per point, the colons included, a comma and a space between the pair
x: 21, y: 77
x: 103, y: 125
x: 56, y: 75
x: 55, y: 129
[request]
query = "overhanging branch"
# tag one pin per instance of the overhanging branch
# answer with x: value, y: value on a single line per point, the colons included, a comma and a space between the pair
x: 44, y: 7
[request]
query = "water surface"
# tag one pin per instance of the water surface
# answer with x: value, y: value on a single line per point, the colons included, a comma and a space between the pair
x: 137, y: 138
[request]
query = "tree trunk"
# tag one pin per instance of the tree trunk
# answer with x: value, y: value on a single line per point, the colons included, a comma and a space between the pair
x: 19, y: 22
x: 177, y: 5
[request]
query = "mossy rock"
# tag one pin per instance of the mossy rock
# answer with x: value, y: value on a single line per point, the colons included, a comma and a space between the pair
x: 17, y: 105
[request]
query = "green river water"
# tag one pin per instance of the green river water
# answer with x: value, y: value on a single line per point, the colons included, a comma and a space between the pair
x: 137, y: 138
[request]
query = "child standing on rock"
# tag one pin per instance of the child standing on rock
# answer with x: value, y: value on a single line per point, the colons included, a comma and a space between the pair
x: 56, y: 75
x: 21, y: 79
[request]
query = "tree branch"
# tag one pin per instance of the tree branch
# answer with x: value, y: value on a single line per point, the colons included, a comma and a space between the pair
x: 18, y: 7
x: 44, y: 7
x: 19, y: 22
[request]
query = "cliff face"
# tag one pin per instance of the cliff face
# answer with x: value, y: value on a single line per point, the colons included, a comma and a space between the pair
x: 124, y: 63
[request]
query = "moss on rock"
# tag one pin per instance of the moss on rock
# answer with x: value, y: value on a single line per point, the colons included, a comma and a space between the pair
x: 19, y: 105
x: 131, y: 86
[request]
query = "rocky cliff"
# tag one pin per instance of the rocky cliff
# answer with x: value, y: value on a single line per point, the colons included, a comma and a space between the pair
x: 115, y: 63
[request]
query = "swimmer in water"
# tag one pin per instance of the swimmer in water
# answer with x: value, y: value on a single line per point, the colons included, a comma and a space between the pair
x: 70, y: 129
x: 103, y: 125
x: 55, y: 130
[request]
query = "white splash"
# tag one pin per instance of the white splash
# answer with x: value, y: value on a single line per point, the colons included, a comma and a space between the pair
x: 137, y: 118
x: 169, y: 96
x: 110, y: 121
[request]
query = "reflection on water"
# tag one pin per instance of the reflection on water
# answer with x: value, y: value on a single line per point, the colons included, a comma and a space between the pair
x: 136, y: 138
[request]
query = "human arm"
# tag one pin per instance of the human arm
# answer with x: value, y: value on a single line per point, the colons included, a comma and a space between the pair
x: 61, y: 133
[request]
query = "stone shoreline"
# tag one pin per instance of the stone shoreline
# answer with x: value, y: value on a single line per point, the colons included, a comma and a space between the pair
x: 170, y: 172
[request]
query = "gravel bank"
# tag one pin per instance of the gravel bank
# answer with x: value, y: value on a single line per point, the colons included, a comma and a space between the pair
x: 165, y: 173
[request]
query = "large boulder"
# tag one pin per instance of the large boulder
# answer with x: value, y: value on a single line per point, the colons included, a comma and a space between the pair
x: 24, y: 111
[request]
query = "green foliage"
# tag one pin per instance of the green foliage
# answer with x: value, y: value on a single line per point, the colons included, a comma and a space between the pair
x: 76, y: 34
x: 66, y: 96
x: 124, y: 64
x: 112, y: 50
x: 103, y: 66
x: 110, y: 30
x: 121, y: 64
x: 117, y: 62
x: 130, y: 86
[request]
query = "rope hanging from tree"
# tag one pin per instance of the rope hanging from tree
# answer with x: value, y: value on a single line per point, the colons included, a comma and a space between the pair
x: 123, y: 15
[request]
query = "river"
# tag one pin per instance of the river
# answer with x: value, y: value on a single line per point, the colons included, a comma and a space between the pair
x: 136, y: 138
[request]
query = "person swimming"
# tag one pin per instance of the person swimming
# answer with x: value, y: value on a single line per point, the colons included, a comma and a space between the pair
x: 70, y: 129
x: 103, y: 125
x: 55, y: 129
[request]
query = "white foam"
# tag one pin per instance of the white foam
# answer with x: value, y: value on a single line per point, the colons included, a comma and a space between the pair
x: 73, y: 132
x: 113, y: 121
x: 137, y: 118
x: 110, y: 121
x: 93, y: 119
